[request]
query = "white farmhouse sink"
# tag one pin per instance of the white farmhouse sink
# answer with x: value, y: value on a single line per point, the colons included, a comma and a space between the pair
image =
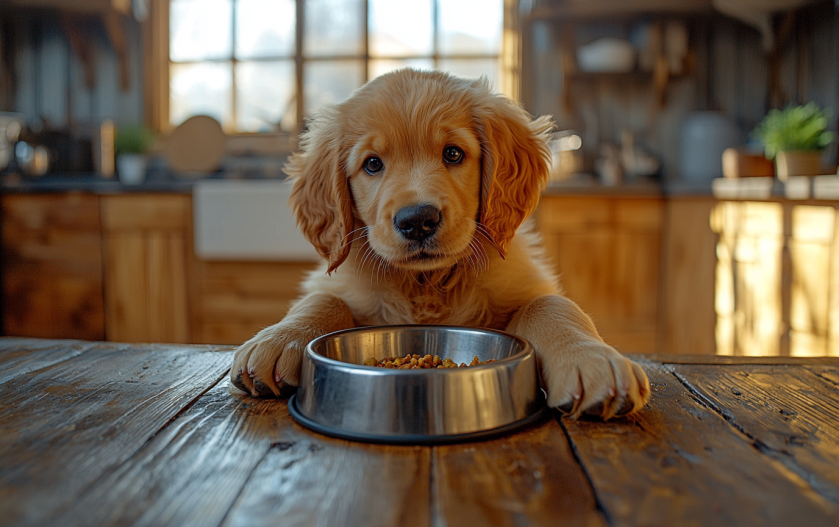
x: 247, y: 220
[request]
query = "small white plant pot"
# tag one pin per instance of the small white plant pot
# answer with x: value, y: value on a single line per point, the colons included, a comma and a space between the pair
x: 131, y: 168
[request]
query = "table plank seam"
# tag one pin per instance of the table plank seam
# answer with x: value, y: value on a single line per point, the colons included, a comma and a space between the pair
x: 598, y: 503
x: 182, y: 411
x: 772, y: 453
x: 436, y: 515
x: 234, y: 502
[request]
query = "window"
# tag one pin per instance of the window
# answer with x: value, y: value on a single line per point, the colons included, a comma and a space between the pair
x: 262, y: 65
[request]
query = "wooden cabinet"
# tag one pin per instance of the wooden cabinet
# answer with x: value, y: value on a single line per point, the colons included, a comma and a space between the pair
x: 608, y: 254
x: 777, y: 280
x: 147, y: 242
x: 688, y: 319
x: 237, y: 299
x: 52, y: 266
x: 122, y: 268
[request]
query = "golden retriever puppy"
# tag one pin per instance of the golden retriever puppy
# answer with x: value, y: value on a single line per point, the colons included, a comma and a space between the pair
x: 415, y: 191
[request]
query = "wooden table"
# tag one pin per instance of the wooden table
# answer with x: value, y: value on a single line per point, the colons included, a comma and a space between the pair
x: 117, y: 434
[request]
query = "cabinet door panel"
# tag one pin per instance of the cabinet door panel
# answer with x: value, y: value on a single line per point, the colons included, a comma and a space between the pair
x: 125, y: 288
x: 637, y: 277
x: 166, y: 288
x: 584, y: 262
x: 146, y: 260
x: 241, y: 298
x: 52, y: 266
x: 607, y: 252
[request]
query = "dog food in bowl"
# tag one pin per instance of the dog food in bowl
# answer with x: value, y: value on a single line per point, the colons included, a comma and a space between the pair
x: 418, y: 362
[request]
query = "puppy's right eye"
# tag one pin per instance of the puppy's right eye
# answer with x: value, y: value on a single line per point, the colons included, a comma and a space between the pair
x: 373, y: 165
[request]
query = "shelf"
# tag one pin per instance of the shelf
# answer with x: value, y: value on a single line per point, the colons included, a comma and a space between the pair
x: 582, y: 9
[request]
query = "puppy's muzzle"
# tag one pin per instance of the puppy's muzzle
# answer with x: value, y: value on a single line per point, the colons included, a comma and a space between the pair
x: 417, y: 223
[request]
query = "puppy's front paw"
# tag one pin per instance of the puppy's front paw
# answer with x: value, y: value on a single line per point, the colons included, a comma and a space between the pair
x: 594, y: 379
x: 269, y: 363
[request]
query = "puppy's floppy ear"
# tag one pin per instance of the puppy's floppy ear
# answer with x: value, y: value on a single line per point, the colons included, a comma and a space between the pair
x: 320, y: 196
x: 515, y: 163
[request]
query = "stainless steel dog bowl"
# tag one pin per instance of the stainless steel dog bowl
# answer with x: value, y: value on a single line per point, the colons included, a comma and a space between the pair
x: 341, y: 397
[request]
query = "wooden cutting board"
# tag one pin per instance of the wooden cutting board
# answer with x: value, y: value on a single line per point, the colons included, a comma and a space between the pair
x: 196, y: 146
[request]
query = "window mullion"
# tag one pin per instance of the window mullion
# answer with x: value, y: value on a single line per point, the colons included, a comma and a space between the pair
x: 435, y: 14
x: 366, y: 23
x: 298, y: 62
x: 233, y: 107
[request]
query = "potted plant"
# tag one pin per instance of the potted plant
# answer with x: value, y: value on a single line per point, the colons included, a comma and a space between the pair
x: 794, y: 137
x: 131, y: 145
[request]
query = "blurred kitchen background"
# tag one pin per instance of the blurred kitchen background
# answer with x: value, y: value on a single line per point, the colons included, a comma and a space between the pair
x: 693, y: 199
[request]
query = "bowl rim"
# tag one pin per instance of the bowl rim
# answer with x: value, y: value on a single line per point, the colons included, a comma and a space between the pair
x: 527, y: 349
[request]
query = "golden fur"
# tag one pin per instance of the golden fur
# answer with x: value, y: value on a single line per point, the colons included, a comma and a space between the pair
x: 482, y: 267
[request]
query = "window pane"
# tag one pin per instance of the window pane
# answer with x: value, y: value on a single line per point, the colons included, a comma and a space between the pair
x: 471, y: 26
x: 382, y: 66
x: 331, y: 81
x: 265, y: 98
x: 473, y: 68
x: 399, y: 29
x: 200, y: 29
x: 265, y: 28
x: 334, y: 28
x: 200, y: 89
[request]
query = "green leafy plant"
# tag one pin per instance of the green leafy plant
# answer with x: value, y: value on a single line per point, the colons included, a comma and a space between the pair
x: 794, y: 128
x: 133, y: 140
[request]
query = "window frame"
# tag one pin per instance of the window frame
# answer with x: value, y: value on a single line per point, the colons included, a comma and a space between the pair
x: 158, y: 63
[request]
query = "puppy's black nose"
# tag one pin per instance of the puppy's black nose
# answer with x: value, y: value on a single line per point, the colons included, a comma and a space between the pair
x: 417, y: 223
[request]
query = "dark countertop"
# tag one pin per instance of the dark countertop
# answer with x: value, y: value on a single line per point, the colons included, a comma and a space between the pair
x: 56, y: 183
x: 801, y: 188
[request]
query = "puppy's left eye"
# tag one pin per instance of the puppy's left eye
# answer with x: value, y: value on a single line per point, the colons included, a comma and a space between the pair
x: 452, y: 154
x: 373, y: 165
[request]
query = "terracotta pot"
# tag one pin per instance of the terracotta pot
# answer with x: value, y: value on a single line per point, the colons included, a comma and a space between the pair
x: 798, y: 163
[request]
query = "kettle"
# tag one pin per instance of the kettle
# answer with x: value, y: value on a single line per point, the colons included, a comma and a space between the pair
x: 704, y: 137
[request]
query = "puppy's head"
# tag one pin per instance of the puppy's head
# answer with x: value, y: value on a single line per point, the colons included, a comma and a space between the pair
x: 422, y: 164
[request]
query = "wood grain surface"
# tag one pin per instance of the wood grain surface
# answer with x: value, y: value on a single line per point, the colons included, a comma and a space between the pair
x: 146, y: 435
x: 64, y: 425
x: 20, y: 355
x: 192, y: 471
x: 52, y: 266
x: 607, y: 252
x: 790, y: 413
x: 146, y: 253
x: 680, y: 463
x: 528, y: 478
x: 313, y: 480
x: 689, y: 265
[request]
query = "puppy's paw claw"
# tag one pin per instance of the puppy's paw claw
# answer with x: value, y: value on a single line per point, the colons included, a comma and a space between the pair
x: 604, y: 383
x: 268, y: 365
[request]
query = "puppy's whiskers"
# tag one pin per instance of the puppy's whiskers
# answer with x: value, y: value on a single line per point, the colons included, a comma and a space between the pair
x: 343, y: 245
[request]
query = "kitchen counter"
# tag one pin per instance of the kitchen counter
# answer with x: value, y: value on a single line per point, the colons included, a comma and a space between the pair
x: 57, y: 183
x: 148, y: 434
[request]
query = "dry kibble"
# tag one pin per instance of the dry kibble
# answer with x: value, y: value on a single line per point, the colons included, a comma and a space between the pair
x: 415, y: 362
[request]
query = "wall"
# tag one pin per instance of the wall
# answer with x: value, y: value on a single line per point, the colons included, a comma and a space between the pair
x: 49, y: 78
x: 730, y: 73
